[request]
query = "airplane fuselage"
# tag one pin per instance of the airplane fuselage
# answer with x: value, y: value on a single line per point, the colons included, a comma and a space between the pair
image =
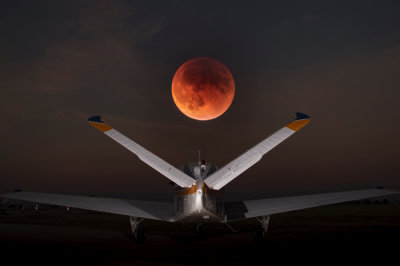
x: 199, y: 203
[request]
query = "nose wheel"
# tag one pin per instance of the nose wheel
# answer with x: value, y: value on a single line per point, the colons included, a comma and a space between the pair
x: 137, y: 232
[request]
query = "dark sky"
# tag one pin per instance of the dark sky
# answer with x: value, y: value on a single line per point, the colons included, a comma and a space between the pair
x: 63, y: 61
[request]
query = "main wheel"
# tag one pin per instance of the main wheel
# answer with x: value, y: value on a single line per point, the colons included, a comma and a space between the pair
x: 259, y: 235
x: 138, y: 236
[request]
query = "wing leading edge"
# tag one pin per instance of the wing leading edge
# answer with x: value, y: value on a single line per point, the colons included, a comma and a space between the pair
x: 143, y: 209
x: 233, y: 169
x: 256, y: 208
x: 169, y: 171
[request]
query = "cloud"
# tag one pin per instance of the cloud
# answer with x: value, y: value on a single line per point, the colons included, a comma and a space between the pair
x: 104, y: 17
x: 96, y: 54
x: 104, y: 51
x: 354, y: 115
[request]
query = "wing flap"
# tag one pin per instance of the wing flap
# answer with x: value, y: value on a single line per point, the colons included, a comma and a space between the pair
x: 143, y: 209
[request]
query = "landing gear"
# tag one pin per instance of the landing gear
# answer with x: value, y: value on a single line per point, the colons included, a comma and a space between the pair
x: 200, y: 229
x: 259, y: 234
x: 137, y: 232
x: 228, y: 225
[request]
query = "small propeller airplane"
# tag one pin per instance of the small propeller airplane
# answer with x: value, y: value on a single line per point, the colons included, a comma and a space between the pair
x: 197, y: 189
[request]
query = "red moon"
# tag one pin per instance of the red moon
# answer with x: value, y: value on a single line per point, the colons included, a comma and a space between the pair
x: 203, y: 88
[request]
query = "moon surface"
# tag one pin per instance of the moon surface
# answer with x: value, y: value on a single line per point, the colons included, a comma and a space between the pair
x: 203, y: 88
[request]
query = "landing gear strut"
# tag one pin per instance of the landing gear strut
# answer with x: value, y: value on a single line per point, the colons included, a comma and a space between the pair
x: 259, y: 234
x: 137, y: 232
x: 200, y: 229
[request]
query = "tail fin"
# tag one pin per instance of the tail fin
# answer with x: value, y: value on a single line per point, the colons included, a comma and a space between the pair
x: 146, y: 156
x: 233, y: 169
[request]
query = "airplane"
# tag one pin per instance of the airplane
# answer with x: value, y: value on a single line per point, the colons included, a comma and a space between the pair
x: 198, y: 198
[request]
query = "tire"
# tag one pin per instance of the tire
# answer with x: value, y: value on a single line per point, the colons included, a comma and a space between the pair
x: 259, y: 235
x: 138, y: 236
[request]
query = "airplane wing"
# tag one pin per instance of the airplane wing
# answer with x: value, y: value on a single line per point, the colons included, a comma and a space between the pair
x: 233, y: 169
x: 169, y: 171
x: 143, y: 209
x: 263, y: 207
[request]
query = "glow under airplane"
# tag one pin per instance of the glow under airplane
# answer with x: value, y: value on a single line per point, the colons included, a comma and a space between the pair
x: 197, y: 197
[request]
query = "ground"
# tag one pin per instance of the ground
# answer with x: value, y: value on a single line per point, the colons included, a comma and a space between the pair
x: 339, y: 233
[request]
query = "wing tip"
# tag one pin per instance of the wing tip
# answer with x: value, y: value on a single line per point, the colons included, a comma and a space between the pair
x: 96, y: 122
x: 300, y: 121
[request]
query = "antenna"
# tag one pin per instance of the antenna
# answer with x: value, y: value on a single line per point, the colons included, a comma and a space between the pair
x: 199, y: 153
x: 199, y: 156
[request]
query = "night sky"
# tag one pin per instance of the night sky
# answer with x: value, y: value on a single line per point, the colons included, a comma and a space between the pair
x: 63, y: 61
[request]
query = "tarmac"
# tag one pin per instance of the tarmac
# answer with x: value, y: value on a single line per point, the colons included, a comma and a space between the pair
x: 323, y: 235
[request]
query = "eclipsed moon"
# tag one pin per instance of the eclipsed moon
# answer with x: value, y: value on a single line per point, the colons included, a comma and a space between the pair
x: 203, y: 88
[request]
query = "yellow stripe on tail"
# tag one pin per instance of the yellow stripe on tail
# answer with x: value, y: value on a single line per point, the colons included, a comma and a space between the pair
x: 299, y: 122
x: 96, y: 122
